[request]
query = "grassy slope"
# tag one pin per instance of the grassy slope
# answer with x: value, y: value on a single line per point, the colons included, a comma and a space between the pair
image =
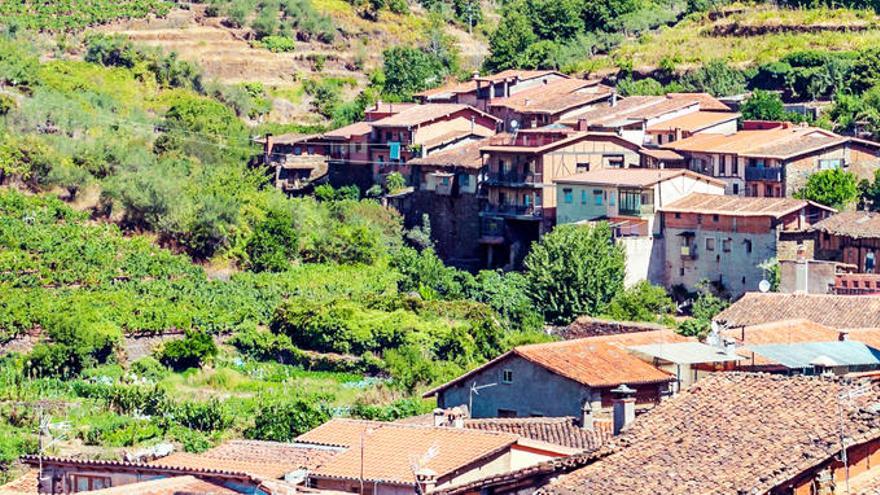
x: 691, y: 42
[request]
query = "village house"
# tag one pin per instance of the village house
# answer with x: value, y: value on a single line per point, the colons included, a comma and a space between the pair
x: 656, y: 120
x: 733, y: 433
x: 540, y: 106
x: 851, y: 237
x: 837, y: 312
x: 239, y: 466
x: 560, y: 378
x: 725, y: 239
x: 774, y: 159
x: 447, y: 186
x: 297, y: 161
x: 477, y: 91
x: 628, y: 198
x: 393, y: 458
x: 421, y: 130
x: 520, y: 188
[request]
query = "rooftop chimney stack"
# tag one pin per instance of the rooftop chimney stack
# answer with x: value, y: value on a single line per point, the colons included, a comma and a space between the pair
x: 587, y: 416
x: 582, y: 124
x: 624, y: 407
x: 614, y: 98
x: 729, y: 346
x: 843, y: 335
x: 439, y: 417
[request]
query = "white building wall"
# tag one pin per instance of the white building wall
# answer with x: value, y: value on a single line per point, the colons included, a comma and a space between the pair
x: 644, y: 259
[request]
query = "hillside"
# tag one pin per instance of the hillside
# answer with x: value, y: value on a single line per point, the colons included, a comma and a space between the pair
x: 748, y: 36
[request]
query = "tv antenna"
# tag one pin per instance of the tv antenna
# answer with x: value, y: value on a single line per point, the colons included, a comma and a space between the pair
x: 475, y: 390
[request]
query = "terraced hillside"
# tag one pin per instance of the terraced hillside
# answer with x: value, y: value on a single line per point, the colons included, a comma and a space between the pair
x: 748, y: 36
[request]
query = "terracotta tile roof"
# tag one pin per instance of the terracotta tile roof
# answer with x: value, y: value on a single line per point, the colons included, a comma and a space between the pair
x: 471, y: 85
x: 346, y: 132
x: 423, y: 114
x: 290, y: 138
x: 465, y: 155
x: 777, y: 142
x: 707, y: 101
x: 633, y: 177
x: 740, y: 206
x: 694, y: 122
x: 623, y: 107
x: 259, y: 459
x: 501, y: 142
x: 554, y: 97
x: 661, y: 154
x: 730, y: 433
x: 602, y: 361
x: 388, y: 107
x: 390, y: 447
x: 448, y: 138
x: 855, y: 224
x: 782, y: 332
x: 564, y: 431
x: 838, y: 312
x: 177, y: 485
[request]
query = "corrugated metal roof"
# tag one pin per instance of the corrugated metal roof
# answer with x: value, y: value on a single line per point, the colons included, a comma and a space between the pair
x: 807, y: 355
x: 686, y: 353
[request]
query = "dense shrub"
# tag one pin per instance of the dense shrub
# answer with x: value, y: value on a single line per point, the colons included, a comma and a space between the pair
x: 281, y: 421
x: 192, y: 351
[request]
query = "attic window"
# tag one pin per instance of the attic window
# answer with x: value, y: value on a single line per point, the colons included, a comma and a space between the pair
x: 507, y: 376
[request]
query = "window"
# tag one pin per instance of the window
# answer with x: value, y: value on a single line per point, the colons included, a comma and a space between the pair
x: 507, y: 376
x: 736, y: 189
x: 567, y: 195
x: 681, y: 272
x: 715, y: 218
x: 527, y: 200
x: 710, y: 244
x: 82, y: 483
x: 464, y: 180
x: 502, y: 198
x: 615, y: 161
x: 538, y: 199
x: 699, y: 218
x: 611, y: 200
x: 725, y: 245
x: 445, y: 181
x: 597, y: 198
x: 748, y: 244
x: 583, y: 197
x: 582, y: 167
x: 506, y: 413
x: 659, y: 138
x: 677, y: 215
x: 829, y: 164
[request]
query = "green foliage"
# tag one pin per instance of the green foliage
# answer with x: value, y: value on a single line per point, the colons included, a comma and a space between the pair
x: 511, y: 39
x: 835, y: 188
x: 283, y: 421
x: 641, y: 302
x: 395, y: 182
x: 507, y: 293
x: 646, y: 87
x: 716, y: 78
x: 192, y: 351
x: 119, y: 51
x: 409, y: 70
x: 399, y: 409
x: 575, y: 270
x: 273, y: 243
x: 763, y: 105
x: 278, y: 44
x: 76, y: 15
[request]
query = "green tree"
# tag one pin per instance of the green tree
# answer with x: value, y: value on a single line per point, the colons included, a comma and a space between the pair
x: 557, y: 20
x: 195, y: 349
x: 285, y: 420
x: 870, y: 192
x: 763, y: 105
x: 716, y: 78
x: 641, y: 302
x: 835, y: 188
x: 511, y: 40
x: 575, y: 270
x: 273, y: 243
x: 409, y: 70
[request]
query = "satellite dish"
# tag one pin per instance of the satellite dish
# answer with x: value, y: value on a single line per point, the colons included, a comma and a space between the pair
x: 764, y: 286
x: 514, y: 124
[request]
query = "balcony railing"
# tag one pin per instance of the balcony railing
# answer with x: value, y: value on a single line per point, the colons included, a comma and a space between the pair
x: 514, y: 178
x: 773, y: 174
x: 515, y: 210
x: 638, y: 211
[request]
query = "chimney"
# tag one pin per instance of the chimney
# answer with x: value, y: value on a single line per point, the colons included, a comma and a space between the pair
x: 476, y: 75
x: 582, y: 124
x: 439, y: 417
x: 624, y: 407
x: 456, y: 416
x: 843, y: 335
x: 614, y: 98
x: 587, y: 416
x: 678, y: 133
x: 267, y: 147
x: 824, y: 482
x: 426, y: 480
x: 378, y: 105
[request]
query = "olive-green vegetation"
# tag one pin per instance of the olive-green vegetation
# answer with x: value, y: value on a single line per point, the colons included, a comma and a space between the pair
x: 72, y: 15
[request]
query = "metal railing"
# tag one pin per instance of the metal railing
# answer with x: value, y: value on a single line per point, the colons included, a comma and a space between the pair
x: 515, y: 210
x: 513, y: 177
x: 764, y: 173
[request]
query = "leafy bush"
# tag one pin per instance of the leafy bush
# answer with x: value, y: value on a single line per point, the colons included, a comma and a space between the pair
x: 835, y: 188
x: 273, y: 243
x: 195, y: 349
x: 281, y: 421
x: 715, y: 78
x: 641, y: 302
x: 278, y: 44
x: 399, y: 409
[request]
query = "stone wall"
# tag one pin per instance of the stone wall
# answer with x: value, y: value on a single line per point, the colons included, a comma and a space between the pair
x: 586, y: 326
